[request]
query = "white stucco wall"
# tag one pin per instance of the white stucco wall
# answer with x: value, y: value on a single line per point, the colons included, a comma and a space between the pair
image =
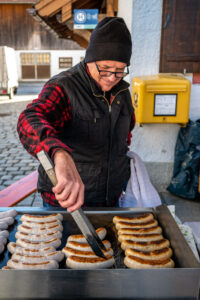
x: 154, y: 143
x: 54, y: 59
x: 125, y: 12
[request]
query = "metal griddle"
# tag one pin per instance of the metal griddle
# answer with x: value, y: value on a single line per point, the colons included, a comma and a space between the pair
x: 182, y: 282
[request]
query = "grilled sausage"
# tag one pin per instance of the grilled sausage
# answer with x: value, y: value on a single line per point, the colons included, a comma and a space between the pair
x: 150, y: 230
x: 153, y: 255
x: 149, y: 224
x: 9, y: 213
x: 139, y: 219
x: 45, y: 265
x: 13, y: 247
x: 70, y: 251
x: 139, y: 237
x: 7, y: 268
x: 7, y: 220
x: 41, y: 224
x: 145, y: 246
x: 38, y: 238
x: 3, y: 240
x: 78, y: 262
x: 4, y: 233
x: 56, y: 255
x: 38, y: 245
x: 85, y: 246
x: 36, y: 218
x: 1, y: 248
x: 39, y: 230
x: 3, y: 225
x: 134, y: 262
x: 81, y: 239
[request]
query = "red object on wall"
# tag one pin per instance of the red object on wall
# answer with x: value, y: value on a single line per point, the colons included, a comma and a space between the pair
x: 196, y: 78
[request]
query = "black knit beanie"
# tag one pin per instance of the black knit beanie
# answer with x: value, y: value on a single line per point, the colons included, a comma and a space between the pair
x: 110, y: 40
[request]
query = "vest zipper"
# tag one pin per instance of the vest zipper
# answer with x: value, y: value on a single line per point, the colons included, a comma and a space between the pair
x: 109, y: 155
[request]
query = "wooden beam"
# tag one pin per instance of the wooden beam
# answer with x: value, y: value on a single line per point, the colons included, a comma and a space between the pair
x: 85, y: 34
x: 115, y: 5
x: 42, y: 3
x: 109, y: 8
x: 53, y: 7
x: 66, y: 12
x: 101, y: 16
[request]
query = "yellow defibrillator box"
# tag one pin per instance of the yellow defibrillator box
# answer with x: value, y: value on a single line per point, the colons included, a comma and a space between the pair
x: 162, y: 98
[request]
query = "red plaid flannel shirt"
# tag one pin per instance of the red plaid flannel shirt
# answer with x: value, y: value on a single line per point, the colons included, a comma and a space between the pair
x: 40, y: 122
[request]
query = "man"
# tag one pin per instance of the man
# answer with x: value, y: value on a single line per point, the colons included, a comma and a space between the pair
x: 83, y: 118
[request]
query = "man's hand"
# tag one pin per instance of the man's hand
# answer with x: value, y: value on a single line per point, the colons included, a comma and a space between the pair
x: 69, y: 190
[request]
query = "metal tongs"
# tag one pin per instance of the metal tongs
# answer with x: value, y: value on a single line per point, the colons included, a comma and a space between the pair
x: 78, y: 215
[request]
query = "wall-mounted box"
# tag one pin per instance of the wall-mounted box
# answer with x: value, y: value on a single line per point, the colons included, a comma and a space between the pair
x: 162, y: 98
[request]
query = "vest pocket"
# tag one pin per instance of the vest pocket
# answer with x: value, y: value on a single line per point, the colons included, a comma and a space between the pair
x: 89, y: 174
x: 91, y: 129
x: 95, y: 183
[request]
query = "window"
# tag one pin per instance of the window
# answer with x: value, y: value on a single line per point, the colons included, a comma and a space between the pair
x: 35, y: 65
x: 27, y: 58
x: 65, y: 62
x: 43, y: 59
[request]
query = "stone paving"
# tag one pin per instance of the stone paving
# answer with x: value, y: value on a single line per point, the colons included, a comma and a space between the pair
x: 15, y: 162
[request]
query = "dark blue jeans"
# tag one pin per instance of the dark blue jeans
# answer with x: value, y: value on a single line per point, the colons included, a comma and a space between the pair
x: 45, y: 204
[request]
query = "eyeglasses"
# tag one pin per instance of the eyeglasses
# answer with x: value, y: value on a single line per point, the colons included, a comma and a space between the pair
x: 103, y: 73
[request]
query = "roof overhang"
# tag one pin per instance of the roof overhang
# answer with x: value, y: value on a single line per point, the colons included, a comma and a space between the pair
x: 57, y: 16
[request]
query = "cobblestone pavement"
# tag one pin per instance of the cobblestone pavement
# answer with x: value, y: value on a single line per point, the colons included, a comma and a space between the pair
x: 15, y: 162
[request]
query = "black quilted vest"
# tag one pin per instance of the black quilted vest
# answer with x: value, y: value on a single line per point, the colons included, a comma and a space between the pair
x: 97, y: 135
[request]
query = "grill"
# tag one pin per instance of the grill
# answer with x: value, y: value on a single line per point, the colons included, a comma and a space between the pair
x: 182, y: 282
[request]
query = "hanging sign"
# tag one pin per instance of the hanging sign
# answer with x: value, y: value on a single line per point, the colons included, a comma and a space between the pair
x: 85, y: 18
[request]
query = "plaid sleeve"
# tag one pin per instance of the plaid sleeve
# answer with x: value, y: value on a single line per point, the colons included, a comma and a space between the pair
x: 42, y: 120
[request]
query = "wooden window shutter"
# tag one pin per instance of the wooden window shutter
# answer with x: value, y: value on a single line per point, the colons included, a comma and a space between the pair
x: 180, y: 42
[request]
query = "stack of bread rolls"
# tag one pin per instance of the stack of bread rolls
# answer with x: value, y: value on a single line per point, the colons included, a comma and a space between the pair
x: 142, y: 240
x: 7, y: 218
x: 37, y: 239
x: 80, y: 255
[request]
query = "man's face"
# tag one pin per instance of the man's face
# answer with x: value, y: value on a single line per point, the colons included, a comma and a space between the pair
x: 106, y: 83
